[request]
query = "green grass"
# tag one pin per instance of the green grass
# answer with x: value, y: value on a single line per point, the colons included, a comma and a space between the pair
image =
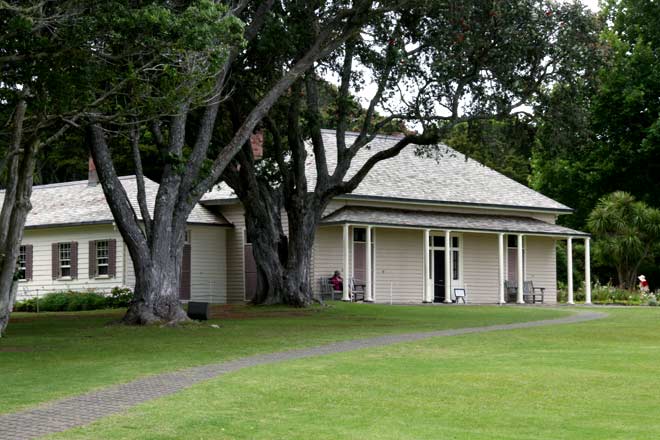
x: 48, y: 356
x: 593, y: 380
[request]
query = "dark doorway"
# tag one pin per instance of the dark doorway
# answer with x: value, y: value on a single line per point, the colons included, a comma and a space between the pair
x: 438, y: 275
x: 185, y: 280
x: 250, y: 273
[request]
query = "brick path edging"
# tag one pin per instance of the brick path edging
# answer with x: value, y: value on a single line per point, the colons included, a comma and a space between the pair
x: 71, y: 412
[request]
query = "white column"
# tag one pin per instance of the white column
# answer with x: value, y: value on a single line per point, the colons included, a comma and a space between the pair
x: 346, y: 296
x: 448, y: 274
x: 587, y: 270
x: 569, y: 264
x: 426, y: 294
x: 521, y: 275
x: 500, y: 241
x: 368, y: 297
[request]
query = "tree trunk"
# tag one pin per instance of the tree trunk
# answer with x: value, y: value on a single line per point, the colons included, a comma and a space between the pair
x: 283, y: 264
x: 156, y: 255
x: 15, y: 208
x: 156, y: 296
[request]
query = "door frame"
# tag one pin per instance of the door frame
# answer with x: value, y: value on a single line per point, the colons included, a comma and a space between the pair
x: 458, y: 283
x: 506, y: 257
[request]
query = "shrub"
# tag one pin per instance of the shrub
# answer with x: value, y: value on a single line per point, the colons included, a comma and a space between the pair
x: 72, y: 301
x: 120, y: 297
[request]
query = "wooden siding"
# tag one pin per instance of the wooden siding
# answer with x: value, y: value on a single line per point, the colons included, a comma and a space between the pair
x: 208, y: 264
x: 327, y: 253
x: 235, y: 293
x: 336, y: 204
x: 541, y: 265
x: 399, y: 260
x: 480, y: 267
x: 42, y: 240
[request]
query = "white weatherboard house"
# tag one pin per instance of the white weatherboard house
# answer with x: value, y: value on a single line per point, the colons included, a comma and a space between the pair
x: 414, y: 231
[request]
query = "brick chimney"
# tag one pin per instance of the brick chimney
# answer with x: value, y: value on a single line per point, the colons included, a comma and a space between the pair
x: 257, y: 143
x: 92, y: 177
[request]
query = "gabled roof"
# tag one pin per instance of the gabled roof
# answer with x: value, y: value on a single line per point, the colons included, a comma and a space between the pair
x: 449, y: 178
x: 76, y: 203
x: 357, y: 215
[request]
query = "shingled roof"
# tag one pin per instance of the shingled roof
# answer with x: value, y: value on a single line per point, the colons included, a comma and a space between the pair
x: 76, y: 203
x: 357, y: 215
x: 448, y: 178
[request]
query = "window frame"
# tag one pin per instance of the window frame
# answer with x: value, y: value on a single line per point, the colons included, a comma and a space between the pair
x: 21, y: 263
x: 98, y: 258
x: 61, y: 247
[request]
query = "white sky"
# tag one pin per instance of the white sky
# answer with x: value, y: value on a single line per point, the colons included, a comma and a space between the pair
x: 592, y: 4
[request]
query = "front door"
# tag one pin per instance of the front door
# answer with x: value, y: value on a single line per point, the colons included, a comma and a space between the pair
x: 359, y: 262
x: 185, y: 280
x: 438, y: 275
x: 250, y: 273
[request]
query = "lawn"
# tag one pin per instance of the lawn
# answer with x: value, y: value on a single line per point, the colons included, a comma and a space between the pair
x: 49, y: 355
x: 593, y: 380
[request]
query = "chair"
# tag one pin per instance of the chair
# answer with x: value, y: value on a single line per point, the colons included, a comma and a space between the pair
x: 357, y: 288
x: 460, y: 294
x: 530, y: 292
x: 327, y: 289
x: 511, y: 288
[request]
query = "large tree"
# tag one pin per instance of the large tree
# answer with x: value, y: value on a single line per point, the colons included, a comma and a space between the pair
x: 627, y: 233
x: 191, y: 163
x: 611, y: 141
x: 44, y: 66
x: 434, y: 64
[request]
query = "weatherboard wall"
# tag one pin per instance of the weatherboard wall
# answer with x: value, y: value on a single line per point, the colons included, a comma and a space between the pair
x: 42, y: 276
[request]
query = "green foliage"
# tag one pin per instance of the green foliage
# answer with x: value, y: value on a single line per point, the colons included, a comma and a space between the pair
x: 626, y: 234
x: 504, y: 145
x: 73, y: 301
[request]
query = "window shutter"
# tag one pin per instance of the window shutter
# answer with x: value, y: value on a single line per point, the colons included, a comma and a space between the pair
x: 55, y: 259
x: 92, y: 258
x: 112, y: 258
x: 28, y: 262
x: 74, y: 259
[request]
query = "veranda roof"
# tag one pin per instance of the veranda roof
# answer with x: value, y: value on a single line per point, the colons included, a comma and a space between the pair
x: 357, y: 215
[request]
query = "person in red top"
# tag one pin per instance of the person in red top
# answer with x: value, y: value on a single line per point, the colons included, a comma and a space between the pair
x: 643, y: 284
x: 337, y: 281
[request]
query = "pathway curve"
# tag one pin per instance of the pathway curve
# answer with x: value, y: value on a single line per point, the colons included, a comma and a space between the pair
x: 63, y: 414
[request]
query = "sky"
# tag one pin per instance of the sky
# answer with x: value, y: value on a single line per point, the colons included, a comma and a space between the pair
x: 592, y: 4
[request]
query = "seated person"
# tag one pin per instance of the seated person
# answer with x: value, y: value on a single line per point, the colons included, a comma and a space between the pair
x: 337, y: 281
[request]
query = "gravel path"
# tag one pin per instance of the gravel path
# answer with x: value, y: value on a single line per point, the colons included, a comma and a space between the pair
x: 63, y: 414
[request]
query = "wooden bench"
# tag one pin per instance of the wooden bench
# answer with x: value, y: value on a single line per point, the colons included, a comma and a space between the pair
x: 531, y: 294
x: 327, y: 289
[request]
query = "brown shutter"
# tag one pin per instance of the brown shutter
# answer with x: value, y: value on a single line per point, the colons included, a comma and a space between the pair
x: 28, y: 262
x: 185, y: 280
x: 55, y: 260
x: 112, y: 257
x: 92, y: 258
x: 74, y: 259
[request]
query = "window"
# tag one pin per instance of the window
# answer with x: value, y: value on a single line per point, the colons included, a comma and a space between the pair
x: 438, y: 241
x: 21, y: 264
x: 359, y: 235
x: 454, y: 242
x: 102, y: 257
x: 512, y: 241
x: 65, y: 259
x: 187, y: 237
x: 454, y: 265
